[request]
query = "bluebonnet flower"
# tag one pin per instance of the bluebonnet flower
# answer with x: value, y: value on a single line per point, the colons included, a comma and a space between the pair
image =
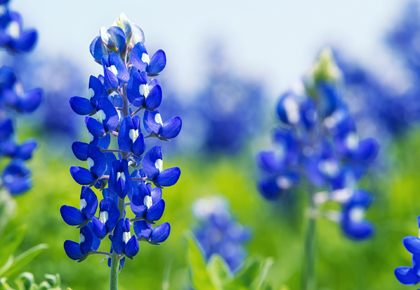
x: 15, y: 178
x: 218, y: 232
x: 111, y: 111
x: 12, y: 36
x: 155, y: 127
x: 410, y: 275
x: 317, y: 143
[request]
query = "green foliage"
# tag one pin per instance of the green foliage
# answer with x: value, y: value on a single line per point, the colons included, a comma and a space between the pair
x: 217, y: 276
x: 8, y: 245
x: 26, y: 281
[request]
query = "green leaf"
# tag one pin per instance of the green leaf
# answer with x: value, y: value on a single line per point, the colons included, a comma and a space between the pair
x: 7, y: 265
x: 219, y: 271
x: 200, y: 278
x: 166, y: 275
x: 25, y: 258
x: 10, y: 243
x: 262, y: 276
x: 248, y: 273
x: 4, y: 285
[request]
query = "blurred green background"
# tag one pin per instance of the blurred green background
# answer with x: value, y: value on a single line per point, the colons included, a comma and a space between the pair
x: 277, y: 227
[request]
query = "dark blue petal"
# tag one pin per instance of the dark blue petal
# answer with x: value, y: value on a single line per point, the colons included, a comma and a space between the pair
x: 133, y: 88
x: 26, y: 41
x: 161, y: 233
x: 117, y: 239
x: 111, y: 120
x: 99, y: 161
x: 30, y: 101
x: 94, y: 127
x: 71, y: 215
x: 104, y: 142
x: 138, y: 54
x: 155, y: 212
x: 117, y: 36
x: 125, y: 143
x: 81, y: 175
x: 123, y: 76
x: 81, y: 106
x: 109, y: 205
x: 154, y: 99
x: 6, y: 128
x: 26, y: 149
x: 99, y: 228
x: 86, y: 244
x: 80, y: 150
x: 171, y: 128
x: 132, y: 247
x: 269, y: 189
x: 150, y: 123
x: 98, y: 49
x: 143, y: 230
x: 156, y: 194
x: 73, y: 250
x: 157, y: 63
x: 168, y: 177
x: 149, y: 161
x: 412, y: 244
x: 368, y: 150
x: 406, y: 276
x: 139, y: 145
x: 91, y: 202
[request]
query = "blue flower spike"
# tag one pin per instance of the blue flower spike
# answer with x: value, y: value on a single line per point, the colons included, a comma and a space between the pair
x: 15, y: 100
x: 126, y: 172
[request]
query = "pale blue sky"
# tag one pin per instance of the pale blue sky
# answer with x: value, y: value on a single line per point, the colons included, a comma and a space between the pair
x: 274, y: 40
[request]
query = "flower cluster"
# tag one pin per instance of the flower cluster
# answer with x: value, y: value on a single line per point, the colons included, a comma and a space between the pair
x: 130, y: 171
x: 12, y: 36
x: 317, y: 146
x: 410, y: 275
x: 218, y: 232
x: 15, y: 100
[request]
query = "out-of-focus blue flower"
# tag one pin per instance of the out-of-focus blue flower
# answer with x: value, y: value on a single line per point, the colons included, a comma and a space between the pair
x: 410, y: 275
x: 317, y: 145
x: 218, y: 232
x: 13, y: 37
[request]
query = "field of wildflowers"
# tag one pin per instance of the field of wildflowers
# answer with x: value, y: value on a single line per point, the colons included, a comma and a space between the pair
x: 120, y: 179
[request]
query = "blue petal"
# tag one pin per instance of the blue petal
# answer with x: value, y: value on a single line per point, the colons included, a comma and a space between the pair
x: 111, y: 120
x: 117, y: 37
x: 155, y: 212
x: 81, y: 175
x: 123, y: 76
x: 161, y: 233
x: 154, y: 99
x: 87, y: 244
x: 136, y: 56
x: 71, y: 215
x: 143, y: 230
x: 139, y: 145
x: 269, y: 189
x: 156, y: 194
x: 80, y: 150
x: 168, y: 177
x: 110, y: 79
x: 91, y: 202
x: 412, y: 244
x: 104, y: 142
x: 157, y: 63
x: 94, y: 127
x: 133, y: 86
x: 26, y: 41
x: 6, y: 128
x: 358, y: 231
x: 406, y: 276
x: 99, y: 228
x: 149, y: 121
x: 107, y: 204
x: 73, y: 250
x: 81, y: 106
x: 171, y: 128
x: 99, y: 160
x: 149, y: 161
x: 117, y: 239
x: 26, y: 149
x: 132, y: 247
x: 30, y: 101
x: 368, y: 150
x: 124, y: 141
x: 98, y: 49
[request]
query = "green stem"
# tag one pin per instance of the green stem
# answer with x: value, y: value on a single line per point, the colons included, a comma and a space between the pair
x: 308, y: 280
x: 115, y: 258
